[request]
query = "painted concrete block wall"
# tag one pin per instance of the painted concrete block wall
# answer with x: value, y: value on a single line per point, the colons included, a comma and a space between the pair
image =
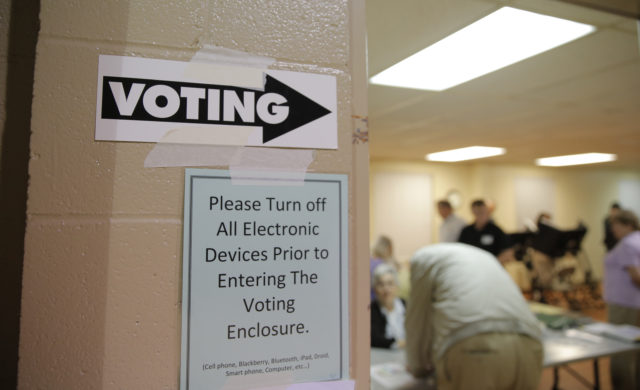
x: 101, y: 290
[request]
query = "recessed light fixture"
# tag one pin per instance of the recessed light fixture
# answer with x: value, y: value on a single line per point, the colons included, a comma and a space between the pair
x: 462, y: 154
x: 575, y: 159
x: 500, y: 39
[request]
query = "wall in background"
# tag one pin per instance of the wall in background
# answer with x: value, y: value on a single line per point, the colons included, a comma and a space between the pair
x: 534, y: 195
x: 629, y: 191
x: 402, y: 199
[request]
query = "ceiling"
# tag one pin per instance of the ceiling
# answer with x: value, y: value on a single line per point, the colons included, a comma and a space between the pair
x: 581, y: 97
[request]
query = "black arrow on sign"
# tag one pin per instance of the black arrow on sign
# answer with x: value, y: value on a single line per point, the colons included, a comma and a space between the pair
x: 301, y: 109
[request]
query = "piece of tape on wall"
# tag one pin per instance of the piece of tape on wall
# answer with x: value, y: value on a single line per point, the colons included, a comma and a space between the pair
x: 245, y: 163
x: 199, y: 147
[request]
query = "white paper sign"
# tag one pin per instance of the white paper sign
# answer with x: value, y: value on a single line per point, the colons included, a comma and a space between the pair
x: 150, y: 100
x: 264, y: 281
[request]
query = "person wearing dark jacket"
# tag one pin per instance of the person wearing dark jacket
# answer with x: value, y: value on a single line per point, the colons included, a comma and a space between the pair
x: 387, y: 310
x: 483, y: 233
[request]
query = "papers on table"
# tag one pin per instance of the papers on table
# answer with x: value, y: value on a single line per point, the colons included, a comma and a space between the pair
x: 627, y: 333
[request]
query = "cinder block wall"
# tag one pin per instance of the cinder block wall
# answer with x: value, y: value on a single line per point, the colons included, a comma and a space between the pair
x: 101, y: 288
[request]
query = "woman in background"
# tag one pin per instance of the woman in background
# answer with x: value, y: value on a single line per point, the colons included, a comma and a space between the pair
x: 387, y: 310
x: 622, y: 293
x: 382, y: 253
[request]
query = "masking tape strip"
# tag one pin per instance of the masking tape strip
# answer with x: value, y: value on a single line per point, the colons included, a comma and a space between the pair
x: 189, y: 155
x: 250, y: 163
x: 193, y: 146
x: 246, y: 164
x: 211, y: 54
x: 242, y: 73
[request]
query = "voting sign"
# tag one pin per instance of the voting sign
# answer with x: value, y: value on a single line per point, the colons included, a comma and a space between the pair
x: 264, y: 280
x: 151, y: 100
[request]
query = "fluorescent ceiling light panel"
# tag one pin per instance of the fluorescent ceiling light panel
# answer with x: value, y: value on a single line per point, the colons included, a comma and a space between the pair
x: 500, y: 39
x: 575, y: 159
x: 469, y: 153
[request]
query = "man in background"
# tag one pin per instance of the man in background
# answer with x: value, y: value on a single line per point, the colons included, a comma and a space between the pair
x: 485, y: 234
x: 452, y: 225
x: 467, y: 320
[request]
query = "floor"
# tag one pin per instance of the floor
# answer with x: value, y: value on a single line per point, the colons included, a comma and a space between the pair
x: 584, y: 369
